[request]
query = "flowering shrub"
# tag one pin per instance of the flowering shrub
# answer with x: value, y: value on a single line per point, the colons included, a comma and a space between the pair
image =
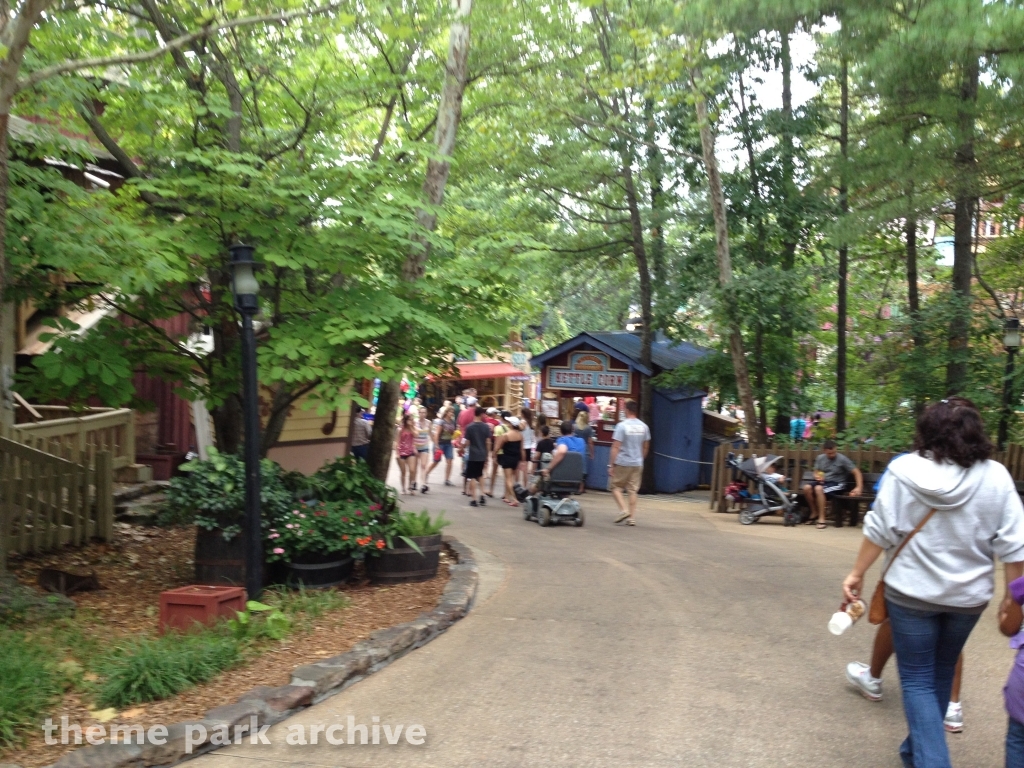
x: 348, y: 479
x: 364, y: 532
x: 324, y: 528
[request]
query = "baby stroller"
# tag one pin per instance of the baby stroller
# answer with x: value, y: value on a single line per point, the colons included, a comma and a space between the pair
x: 553, y: 503
x: 768, y: 498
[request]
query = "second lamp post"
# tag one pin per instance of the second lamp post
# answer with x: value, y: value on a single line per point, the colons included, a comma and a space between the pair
x: 246, y: 290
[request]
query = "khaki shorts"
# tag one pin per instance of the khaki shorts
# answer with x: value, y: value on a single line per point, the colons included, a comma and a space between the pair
x: 627, y: 478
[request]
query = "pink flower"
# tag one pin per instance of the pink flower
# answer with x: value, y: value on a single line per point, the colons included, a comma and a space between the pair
x: 278, y: 551
x: 289, y: 525
x: 295, y: 511
x: 358, y: 513
x: 274, y: 536
x: 302, y: 516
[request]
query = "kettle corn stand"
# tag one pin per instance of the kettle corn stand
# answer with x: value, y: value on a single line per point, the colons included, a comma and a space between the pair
x: 603, y: 368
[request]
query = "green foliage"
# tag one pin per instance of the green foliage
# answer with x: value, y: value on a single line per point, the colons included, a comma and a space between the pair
x: 409, y: 524
x: 259, y: 621
x: 347, y: 479
x: 151, y: 669
x: 321, y: 168
x: 29, y: 683
x: 302, y: 602
x: 211, y: 493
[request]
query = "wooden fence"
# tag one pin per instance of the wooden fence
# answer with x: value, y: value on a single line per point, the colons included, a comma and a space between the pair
x: 795, y: 462
x: 47, y: 501
x: 110, y: 431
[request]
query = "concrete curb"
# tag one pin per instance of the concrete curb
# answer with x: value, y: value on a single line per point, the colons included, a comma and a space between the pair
x: 310, y: 683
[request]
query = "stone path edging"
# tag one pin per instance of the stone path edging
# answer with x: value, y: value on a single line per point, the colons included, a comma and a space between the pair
x: 310, y: 683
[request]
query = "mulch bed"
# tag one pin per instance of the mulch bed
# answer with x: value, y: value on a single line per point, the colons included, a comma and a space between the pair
x: 142, y: 562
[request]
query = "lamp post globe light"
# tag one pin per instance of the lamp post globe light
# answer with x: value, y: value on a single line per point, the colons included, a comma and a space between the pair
x: 245, y: 289
x: 1011, y: 341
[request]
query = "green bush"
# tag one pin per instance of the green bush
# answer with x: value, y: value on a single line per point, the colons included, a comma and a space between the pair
x: 410, y: 524
x: 211, y: 493
x: 348, y: 479
x: 28, y: 685
x: 156, y: 668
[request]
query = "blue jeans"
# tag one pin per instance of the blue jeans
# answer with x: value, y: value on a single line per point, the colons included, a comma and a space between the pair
x: 1015, y: 745
x: 927, y: 645
x: 361, y: 451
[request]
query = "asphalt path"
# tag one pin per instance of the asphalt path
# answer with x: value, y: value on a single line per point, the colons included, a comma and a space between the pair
x: 688, y: 640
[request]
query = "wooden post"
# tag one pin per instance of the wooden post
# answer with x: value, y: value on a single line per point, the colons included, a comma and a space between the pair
x: 128, y: 449
x: 104, y: 496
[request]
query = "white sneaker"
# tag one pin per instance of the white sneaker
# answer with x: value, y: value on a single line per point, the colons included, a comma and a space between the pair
x: 859, y: 675
x: 954, y: 720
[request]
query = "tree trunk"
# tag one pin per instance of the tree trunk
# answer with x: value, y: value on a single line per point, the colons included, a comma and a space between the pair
x: 659, y: 216
x: 646, y: 310
x: 759, y: 383
x: 844, y: 209
x: 8, y: 317
x: 383, y: 436
x: 963, y: 231
x: 17, y: 33
x: 913, y: 293
x: 281, y: 401
x: 716, y: 197
x: 789, y: 225
x: 449, y: 113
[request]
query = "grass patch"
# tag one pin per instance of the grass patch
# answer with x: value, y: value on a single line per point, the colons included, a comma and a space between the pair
x: 28, y: 685
x: 313, y: 603
x: 157, y: 668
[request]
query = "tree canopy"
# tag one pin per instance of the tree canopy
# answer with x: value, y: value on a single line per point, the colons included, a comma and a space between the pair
x: 830, y: 195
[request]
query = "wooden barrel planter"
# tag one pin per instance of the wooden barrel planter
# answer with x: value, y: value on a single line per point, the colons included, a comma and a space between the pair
x: 320, y: 570
x: 219, y: 561
x: 403, y: 563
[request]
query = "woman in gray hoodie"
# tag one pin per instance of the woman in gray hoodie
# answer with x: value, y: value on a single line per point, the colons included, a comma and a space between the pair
x: 943, y: 579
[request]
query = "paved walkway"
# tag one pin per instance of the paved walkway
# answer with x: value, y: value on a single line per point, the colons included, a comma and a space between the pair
x: 689, y: 640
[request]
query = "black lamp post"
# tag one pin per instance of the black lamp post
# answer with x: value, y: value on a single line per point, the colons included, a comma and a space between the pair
x: 1011, y: 340
x: 246, y: 290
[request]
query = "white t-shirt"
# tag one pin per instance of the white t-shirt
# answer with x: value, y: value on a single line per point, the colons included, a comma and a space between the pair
x: 631, y: 435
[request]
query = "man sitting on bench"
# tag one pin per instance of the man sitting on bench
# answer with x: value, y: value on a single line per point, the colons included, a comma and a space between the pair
x: 832, y: 471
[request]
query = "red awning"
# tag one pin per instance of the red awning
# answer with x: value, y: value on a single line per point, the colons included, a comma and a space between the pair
x: 471, y: 371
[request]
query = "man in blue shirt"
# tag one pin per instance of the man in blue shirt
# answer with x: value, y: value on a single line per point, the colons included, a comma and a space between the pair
x: 570, y: 440
x: 563, y: 445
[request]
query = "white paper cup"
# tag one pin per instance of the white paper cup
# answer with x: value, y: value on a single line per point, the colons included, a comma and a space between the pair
x: 839, y: 623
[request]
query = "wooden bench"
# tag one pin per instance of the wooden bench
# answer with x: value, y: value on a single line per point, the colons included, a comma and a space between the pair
x: 840, y: 505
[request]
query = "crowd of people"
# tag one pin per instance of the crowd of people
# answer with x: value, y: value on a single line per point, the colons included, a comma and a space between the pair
x: 521, y: 449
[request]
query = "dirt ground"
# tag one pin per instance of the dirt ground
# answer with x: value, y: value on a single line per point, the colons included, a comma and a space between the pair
x: 139, y: 564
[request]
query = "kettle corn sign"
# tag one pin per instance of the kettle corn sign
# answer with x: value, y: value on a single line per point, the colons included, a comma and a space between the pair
x: 590, y: 372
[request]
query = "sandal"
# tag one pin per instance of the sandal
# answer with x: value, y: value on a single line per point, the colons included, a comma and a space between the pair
x: 821, y: 526
x: 424, y: 489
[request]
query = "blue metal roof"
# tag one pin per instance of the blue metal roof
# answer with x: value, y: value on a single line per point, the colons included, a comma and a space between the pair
x: 665, y: 354
x: 624, y: 346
